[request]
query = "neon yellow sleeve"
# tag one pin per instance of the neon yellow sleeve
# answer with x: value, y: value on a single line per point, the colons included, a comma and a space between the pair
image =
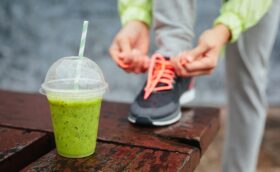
x: 135, y: 10
x: 240, y: 15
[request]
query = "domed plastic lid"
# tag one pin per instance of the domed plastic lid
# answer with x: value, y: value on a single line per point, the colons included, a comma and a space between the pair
x: 74, y: 76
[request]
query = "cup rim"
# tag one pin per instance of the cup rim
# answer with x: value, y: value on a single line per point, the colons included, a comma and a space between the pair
x: 45, y: 89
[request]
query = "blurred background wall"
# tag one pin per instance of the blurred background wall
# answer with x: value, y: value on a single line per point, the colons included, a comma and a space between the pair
x: 35, y: 33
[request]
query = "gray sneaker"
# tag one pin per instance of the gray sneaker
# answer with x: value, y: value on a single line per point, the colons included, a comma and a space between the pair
x: 158, y: 103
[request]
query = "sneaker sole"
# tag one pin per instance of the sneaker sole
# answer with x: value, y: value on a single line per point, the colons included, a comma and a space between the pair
x: 186, y: 97
x: 176, y: 116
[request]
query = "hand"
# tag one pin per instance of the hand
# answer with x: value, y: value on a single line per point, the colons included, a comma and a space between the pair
x: 202, y: 59
x: 130, y: 46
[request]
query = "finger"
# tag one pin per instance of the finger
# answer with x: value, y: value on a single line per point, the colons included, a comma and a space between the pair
x: 202, y: 64
x: 141, y: 63
x: 185, y: 58
x: 126, y: 58
x: 174, y: 64
x: 147, y: 63
x: 122, y: 64
x: 173, y: 61
x: 183, y: 61
x: 125, y: 49
x: 179, y: 65
x: 131, y: 61
x: 125, y: 46
x: 199, y: 73
x: 197, y: 52
x: 139, y: 60
x: 117, y: 56
x: 137, y: 65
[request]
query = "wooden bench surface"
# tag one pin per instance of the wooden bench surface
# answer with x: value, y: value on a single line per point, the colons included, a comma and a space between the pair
x: 121, y: 145
x: 16, y: 145
x: 113, y: 158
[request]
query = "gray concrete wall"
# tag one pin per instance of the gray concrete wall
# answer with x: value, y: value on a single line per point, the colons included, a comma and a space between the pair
x: 35, y: 33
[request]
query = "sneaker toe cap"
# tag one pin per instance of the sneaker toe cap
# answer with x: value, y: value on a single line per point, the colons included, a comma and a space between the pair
x: 152, y: 112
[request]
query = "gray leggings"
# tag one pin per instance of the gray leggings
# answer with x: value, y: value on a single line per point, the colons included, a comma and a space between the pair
x: 247, y: 62
x: 246, y: 67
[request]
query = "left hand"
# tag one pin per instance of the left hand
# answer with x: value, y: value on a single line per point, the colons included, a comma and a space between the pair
x: 202, y: 59
x: 130, y: 46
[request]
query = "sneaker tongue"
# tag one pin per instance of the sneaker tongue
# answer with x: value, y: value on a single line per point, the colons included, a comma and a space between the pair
x: 161, y: 85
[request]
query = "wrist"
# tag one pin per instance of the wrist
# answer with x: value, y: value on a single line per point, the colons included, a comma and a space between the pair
x: 137, y: 23
x: 224, y: 32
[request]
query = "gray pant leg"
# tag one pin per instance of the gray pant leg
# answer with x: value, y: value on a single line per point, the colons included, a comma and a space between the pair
x: 246, y: 66
x: 173, y: 22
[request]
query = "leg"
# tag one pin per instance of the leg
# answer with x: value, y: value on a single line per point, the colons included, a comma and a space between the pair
x: 246, y: 66
x: 173, y: 23
x: 158, y: 102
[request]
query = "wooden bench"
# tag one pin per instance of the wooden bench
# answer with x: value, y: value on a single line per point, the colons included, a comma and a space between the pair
x: 27, y: 144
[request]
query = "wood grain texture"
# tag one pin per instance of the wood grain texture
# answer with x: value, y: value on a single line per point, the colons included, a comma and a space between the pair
x: 197, y: 128
x: 117, y: 158
x: 120, y: 144
x: 23, y: 110
x: 19, y: 148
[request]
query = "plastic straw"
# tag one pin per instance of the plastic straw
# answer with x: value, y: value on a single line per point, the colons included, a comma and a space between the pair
x: 83, y: 39
x: 81, y: 54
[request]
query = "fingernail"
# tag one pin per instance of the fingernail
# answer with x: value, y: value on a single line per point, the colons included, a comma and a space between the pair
x: 189, y: 58
x: 183, y: 62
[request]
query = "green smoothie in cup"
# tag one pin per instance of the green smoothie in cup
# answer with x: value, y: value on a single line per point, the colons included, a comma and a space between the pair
x: 74, y: 87
x: 75, y: 124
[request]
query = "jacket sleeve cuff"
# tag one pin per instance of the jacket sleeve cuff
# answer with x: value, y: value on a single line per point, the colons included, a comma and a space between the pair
x: 134, y: 13
x: 233, y: 22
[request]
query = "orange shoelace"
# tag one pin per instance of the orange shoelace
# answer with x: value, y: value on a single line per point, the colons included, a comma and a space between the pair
x: 160, y: 71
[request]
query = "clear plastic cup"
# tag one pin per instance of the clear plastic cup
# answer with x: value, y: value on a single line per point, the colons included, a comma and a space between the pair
x: 74, y: 87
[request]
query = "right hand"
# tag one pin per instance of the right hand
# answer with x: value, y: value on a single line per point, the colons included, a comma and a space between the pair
x: 130, y: 46
x: 203, y: 59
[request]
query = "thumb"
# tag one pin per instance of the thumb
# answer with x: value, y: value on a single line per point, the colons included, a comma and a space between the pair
x: 198, y: 52
x: 125, y: 49
x: 125, y: 46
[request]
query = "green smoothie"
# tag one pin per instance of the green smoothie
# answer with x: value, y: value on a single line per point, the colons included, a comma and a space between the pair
x: 75, y: 124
